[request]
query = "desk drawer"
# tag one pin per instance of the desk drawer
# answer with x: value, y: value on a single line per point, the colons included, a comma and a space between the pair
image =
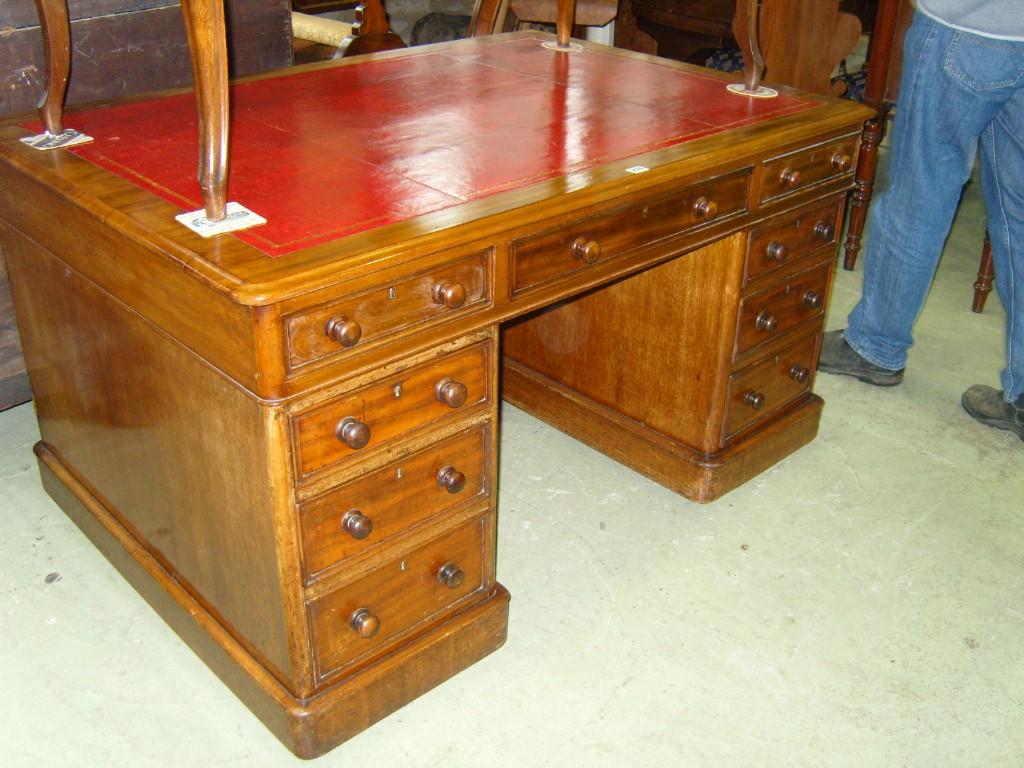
x: 756, y: 392
x: 782, y: 240
x: 539, y: 259
x: 362, y: 513
x: 366, y: 317
x: 769, y: 313
x: 364, y: 615
x: 796, y: 171
x: 359, y: 421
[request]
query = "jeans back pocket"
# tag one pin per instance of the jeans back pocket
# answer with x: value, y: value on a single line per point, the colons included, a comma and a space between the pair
x: 983, y: 63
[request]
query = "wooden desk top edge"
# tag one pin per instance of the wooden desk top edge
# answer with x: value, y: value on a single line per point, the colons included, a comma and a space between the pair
x: 250, y: 277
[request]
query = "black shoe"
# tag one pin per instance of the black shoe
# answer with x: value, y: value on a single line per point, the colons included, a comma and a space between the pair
x: 839, y: 358
x: 988, y: 406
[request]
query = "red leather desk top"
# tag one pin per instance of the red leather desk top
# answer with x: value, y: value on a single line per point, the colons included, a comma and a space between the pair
x: 331, y: 152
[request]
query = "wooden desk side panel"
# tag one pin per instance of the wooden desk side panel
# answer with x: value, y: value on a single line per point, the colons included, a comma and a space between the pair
x: 652, y: 346
x: 90, y: 242
x: 172, y: 447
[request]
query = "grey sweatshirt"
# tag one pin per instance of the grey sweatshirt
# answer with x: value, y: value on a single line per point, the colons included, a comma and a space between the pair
x: 1001, y: 19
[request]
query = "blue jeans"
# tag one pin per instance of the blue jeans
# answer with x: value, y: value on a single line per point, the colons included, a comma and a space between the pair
x: 958, y: 90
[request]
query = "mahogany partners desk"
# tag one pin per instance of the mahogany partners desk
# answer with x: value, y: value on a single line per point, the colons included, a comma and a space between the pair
x: 286, y: 438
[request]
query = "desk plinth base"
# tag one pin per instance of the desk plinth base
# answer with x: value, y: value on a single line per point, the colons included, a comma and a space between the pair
x: 670, y: 463
x: 308, y: 727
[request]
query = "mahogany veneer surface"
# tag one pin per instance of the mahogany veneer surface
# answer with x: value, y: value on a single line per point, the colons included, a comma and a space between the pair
x: 333, y: 152
x: 286, y: 439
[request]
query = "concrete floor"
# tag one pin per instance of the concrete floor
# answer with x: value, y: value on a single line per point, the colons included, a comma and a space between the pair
x: 860, y: 604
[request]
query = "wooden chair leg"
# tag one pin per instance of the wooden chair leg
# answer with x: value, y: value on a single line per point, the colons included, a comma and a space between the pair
x: 204, y: 22
x: 53, y: 19
x: 565, y: 18
x: 986, y: 275
x: 863, y: 186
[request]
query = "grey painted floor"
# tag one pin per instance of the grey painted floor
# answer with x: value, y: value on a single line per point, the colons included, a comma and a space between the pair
x: 861, y: 604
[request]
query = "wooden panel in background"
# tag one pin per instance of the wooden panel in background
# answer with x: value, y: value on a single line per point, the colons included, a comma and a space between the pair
x: 123, y: 47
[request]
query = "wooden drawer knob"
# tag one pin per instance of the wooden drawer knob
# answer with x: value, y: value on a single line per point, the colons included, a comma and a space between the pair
x: 451, y: 295
x: 451, y: 479
x: 841, y: 162
x: 356, y: 524
x: 365, y: 624
x: 813, y: 300
x: 353, y: 433
x: 766, y: 321
x: 450, y: 392
x: 344, y: 331
x: 451, y: 575
x: 776, y: 251
x: 585, y: 250
x: 798, y: 373
x: 754, y: 399
x: 825, y: 231
x: 790, y: 177
x: 705, y: 209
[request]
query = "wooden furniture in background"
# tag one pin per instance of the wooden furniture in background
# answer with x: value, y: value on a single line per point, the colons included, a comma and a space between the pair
x: 986, y: 277
x: 492, y: 16
x: 884, y: 65
x: 881, y: 91
x: 803, y: 41
x: 320, y: 38
x: 103, y: 67
x: 286, y: 438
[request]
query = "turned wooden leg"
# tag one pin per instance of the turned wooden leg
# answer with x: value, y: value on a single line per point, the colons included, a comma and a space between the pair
x: 986, y: 274
x: 204, y: 22
x: 745, y: 25
x: 484, y: 20
x: 566, y: 16
x: 53, y: 18
x: 863, y: 185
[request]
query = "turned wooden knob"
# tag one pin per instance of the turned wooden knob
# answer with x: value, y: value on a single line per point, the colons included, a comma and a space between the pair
x: 754, y: 399
x: 451, y: 575
x: 790, y: 177
x: 451, y: 295
x: 766, y: 321
x: 356, y: 524
x: 841, y: 162
x: 353, y: 433
x: 813, y: 299
x: 825, y: 231
x: 451, y: 479
x: 776, y: 251
x: 705, y: 209
x: 798, y: 373
x: 450, y: 392
x: 585, y: 250
x: 344, y: 330
x: 364, y: 623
